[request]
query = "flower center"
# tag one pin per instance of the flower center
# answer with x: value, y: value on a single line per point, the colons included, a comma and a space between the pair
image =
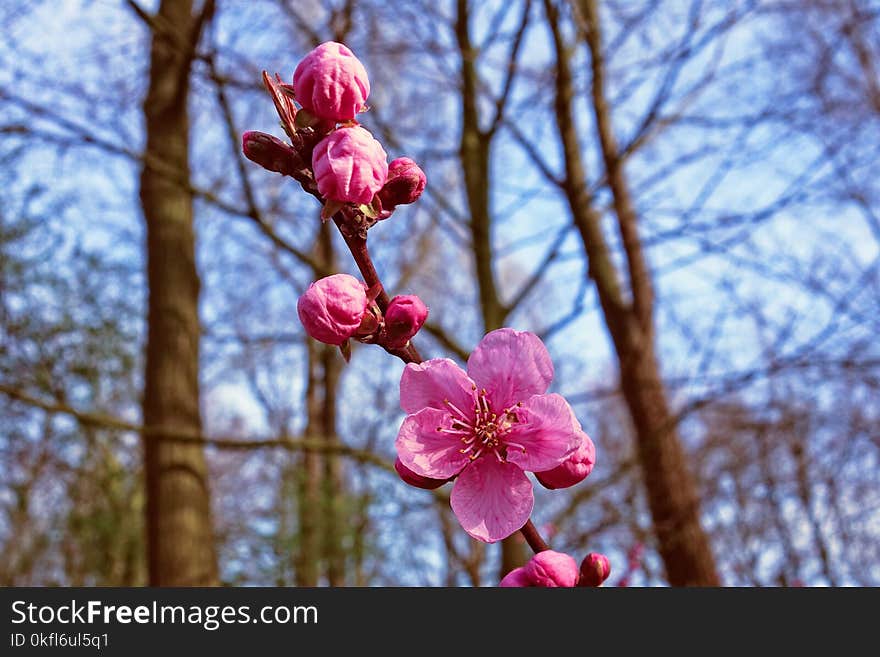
x: 482, y: 431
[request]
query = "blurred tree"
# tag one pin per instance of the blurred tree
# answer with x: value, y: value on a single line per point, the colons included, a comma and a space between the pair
x: 475, y: 152
x: 180, y: 534
x: 629, y: 314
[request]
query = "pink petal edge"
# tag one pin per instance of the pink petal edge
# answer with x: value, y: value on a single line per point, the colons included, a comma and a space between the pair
x: 512, y: 366
x: 548, y: 430
x: 428, y: 384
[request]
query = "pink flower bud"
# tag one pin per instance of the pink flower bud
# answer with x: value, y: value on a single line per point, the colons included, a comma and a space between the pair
x: 331, y: 83
x: 547, y: 568
x: 572, y: 470
x: 417, y: 480
x: 350, y: 166
x: 406, y: 182
x: 332, y: 309
x: 595, y: 569
x: 550, y: 568
x: 516, y: 578
x: 270, y: 153
x: 403, y: 319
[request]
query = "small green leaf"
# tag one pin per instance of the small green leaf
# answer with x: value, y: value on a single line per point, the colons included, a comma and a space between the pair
x: 368, y: 210
x: 345, y: 348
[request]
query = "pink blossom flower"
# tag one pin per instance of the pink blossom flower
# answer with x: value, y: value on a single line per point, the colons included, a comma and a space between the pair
x: 572, y: 470
x: 547, y: 569
x: 405, y: 184
x: 350, y: 166
x: 403, y: 319
x: 595, y: 569
x: 331, y: 83
x: 487, y: 427
x: 332, y: 309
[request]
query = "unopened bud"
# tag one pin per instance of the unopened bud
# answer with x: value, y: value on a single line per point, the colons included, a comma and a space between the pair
x: 550, y: 568
x: 516, y: 578
x: 271, y: 153
x: 332, y: 309
x: 417, y: 480
x: 572, y: 470
x: 403, y: 319
x: 331, y: 83
x: 350, y: 166
x: 547, y: 569
x: 595, y: 569
x: 405, y: 184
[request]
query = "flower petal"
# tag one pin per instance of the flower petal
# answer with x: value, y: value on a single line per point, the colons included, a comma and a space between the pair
x: 491, y: 499
x: 428, y: 384
x: 547, y: 429
x: 516, y: 577
x: 426, y: 451
x: 512, y: 366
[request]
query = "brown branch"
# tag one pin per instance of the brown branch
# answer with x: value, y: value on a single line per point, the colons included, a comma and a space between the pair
x: 534, y: 154
x: 627, y: 219
x: 446, y: 340
x: 586, y: 218
x: 501, y: 101
x: 533, y: 537
x: 358, y: 247
x: 540, y: 270
x: 474, y: 156
x: 166, y: 434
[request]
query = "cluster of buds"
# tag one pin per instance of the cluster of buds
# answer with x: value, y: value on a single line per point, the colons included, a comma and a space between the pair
x: 338, y: 308
x: 340, y: 162
x: 557, y: 569
x: 330, y: 153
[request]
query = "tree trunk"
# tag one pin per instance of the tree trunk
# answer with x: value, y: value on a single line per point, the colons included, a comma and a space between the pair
x: 336, y: 513
x: 180, y: 537
x: 671, y: 491
x: 474, y: 153
x: 307, y: 558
